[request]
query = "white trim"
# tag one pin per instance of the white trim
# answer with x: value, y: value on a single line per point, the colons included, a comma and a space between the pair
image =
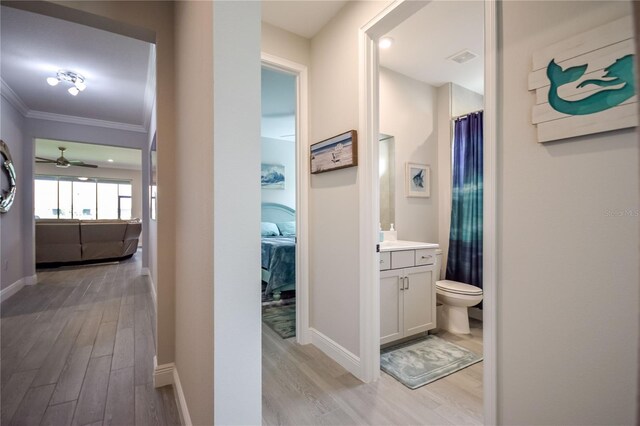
x: 370, y: 295
x: 13, y: 98
x: 31, y: 280
x: 12, y: 289
x: 181, y: 401
x: 41, y: 115
x: 167, y: 374
x: 302, y: 192
x: 336, y: 352
x: 145, y: 271
x: 490, y: 245
x: 162, y: 374
x: 368, y: 181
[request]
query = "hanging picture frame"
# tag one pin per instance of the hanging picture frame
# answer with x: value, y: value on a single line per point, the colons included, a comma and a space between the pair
x: 338, y: 152
x: 418, y: 180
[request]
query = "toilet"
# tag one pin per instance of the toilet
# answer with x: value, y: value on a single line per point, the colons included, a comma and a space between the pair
x: 456, y: 298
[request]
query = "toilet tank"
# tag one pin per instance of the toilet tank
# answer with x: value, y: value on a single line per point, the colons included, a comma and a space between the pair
x: 438, y: 264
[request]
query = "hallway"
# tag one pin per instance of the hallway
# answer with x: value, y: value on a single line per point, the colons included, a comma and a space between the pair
x: 77, y: 348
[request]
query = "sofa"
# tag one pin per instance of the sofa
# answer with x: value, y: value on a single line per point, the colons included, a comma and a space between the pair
x: 85, y: 241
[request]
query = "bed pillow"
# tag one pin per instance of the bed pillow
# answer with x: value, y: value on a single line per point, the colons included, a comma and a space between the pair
x: 269, y: 229
x: 287, y: 229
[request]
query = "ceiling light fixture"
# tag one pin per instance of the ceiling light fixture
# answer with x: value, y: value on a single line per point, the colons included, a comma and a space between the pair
x: 82, y: 178
x: 77, y: 81
x: 385, y: 42
x: 110, y: 160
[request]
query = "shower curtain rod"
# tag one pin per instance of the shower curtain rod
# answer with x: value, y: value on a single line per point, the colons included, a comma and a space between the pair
x: 466, y: 115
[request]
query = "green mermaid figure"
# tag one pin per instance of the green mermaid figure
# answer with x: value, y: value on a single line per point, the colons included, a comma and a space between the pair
x: 621, y: 71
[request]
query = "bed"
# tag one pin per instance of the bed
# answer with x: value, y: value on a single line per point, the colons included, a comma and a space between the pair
x: 278, y: 249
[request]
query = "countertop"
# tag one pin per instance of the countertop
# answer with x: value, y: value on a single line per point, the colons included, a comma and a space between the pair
x: 405, y: 245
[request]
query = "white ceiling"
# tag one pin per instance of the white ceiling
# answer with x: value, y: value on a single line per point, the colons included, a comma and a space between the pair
x: 302, y: 17
x: 123, y: 158
x: 425, y: 40
x: 117, y: 68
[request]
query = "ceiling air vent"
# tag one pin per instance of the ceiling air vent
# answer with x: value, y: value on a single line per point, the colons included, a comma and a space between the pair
x: 462, y: 57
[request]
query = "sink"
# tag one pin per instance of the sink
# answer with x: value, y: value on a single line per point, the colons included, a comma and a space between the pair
x: 406, y: 245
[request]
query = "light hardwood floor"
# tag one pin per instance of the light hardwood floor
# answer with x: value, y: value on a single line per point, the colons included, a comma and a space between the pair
x: 302, y: 386
x: 77, y: 348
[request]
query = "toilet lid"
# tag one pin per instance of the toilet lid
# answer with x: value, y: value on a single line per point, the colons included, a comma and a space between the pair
x: 458, y: 288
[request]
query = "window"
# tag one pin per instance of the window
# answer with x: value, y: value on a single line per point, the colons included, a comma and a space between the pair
x: 70, y: 198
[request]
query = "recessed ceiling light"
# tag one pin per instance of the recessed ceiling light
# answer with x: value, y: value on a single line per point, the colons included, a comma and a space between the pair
x: 83, y: 178
x: 110, y: 160
x: 385, y: 42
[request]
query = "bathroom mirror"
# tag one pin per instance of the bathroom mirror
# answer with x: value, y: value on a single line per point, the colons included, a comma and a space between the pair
x: 387, y: 181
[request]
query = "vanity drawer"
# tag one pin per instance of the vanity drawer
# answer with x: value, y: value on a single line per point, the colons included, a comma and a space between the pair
x: 385, y: 260
x: 425, y: 257
x: 402, y: 259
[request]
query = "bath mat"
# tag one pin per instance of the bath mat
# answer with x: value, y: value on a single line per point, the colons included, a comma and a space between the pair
x: 418, y: 363
x: 281, y: 319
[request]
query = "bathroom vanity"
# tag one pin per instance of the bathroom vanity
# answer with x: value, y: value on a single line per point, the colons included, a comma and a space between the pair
x: 407, y: 289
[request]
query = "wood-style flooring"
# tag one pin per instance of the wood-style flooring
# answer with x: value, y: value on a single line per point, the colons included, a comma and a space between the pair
x: 302, y: 386
x: 78, y: 347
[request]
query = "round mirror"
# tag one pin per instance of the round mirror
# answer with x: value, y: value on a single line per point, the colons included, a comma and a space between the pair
x: 7, y: 196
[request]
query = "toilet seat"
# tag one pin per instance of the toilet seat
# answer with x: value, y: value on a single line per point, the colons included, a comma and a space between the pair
x: 455, y: 287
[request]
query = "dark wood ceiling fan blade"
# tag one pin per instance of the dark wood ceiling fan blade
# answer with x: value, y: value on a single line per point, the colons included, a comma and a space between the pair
x: 93, y: 166
x: 45, y: 159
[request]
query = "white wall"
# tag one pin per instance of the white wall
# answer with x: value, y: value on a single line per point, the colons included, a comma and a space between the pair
x: 334, y: 218
x: 236, y: 213
x: 408, y: 113
x: 12, y: 243
x: 135, y: 176
x: 277, y: 151
x: 194, y: 218
x: 568, y: 264
x: 284, y: 44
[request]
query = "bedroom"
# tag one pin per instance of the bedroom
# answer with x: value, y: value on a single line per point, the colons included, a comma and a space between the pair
x: 278, y: 191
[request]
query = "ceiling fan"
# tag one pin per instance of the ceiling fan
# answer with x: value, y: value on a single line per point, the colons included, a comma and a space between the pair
x: 63, y: 162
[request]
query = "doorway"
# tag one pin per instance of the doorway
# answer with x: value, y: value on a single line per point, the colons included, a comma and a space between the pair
x: 393, y: 16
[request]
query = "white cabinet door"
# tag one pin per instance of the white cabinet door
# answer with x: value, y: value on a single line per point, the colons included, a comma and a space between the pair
x: 391, y: 322
x: 419, y: 300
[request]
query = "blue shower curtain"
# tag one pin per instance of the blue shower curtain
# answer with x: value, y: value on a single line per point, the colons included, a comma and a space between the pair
x: 464, y: 262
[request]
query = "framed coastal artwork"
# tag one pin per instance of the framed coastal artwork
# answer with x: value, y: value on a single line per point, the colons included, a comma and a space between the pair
x: 272, y: 176
x: 335, y: 153
x: 585, y: 84
x: 418, y: 178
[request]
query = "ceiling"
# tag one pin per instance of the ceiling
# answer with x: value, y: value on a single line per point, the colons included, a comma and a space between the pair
x: 123, y: 158
x: 278, y: 105
x: 119, y: 71
x: 424, y: 41
x: 304, y: 18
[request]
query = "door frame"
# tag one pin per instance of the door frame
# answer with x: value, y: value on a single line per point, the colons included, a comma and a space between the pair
x: 303, y: 336
x: 369, y: 196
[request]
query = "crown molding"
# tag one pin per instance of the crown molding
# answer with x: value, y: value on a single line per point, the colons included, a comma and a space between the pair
x: 41, y: 115
x: 7, y: 92
x: 11, y: 96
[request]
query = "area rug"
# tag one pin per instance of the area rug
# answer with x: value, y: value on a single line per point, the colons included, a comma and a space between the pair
x: 281, y: 319
x: 418, y: 363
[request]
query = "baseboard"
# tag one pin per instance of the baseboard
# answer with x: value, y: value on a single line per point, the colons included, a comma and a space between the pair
x: 167, y: 374
x: 12, y: 289
x: 475, y: 313
x: 31, y: 280
x: 162, y: 374
x: 183, y: 410
x: 336, y: 352
x: 153, y: 290
x: 145, y: 271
